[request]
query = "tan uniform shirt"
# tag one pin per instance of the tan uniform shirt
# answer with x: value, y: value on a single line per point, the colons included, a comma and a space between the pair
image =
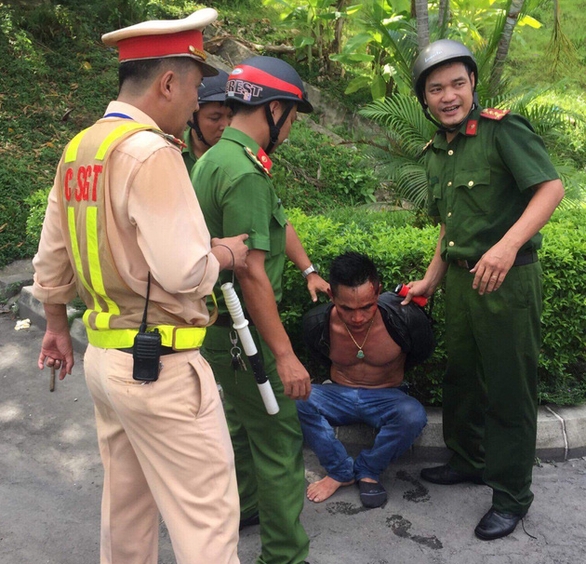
x: 156, y: 224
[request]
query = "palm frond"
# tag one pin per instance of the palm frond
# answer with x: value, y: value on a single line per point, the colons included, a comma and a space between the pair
x: 411, y: 183
x: 574, y: 182
x: 404, y: 121
x: 545, y: 117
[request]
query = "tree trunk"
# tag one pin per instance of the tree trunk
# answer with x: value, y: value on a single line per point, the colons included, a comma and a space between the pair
x: 337, y: 42
x: 422, y: 23
x: 443, y: 16
x: 515, y: 7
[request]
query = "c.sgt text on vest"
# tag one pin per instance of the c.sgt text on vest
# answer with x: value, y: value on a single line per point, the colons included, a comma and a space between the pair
x: 85, y: 176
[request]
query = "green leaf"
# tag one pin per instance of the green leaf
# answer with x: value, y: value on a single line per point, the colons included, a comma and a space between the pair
x: 378, y: 88
x: 357, y: 84
x: 303, y: 41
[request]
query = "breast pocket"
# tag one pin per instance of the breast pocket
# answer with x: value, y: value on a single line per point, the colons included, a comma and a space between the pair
x: 473, y: 187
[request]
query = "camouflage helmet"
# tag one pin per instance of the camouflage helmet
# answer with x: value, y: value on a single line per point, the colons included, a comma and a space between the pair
x: 436, y: 54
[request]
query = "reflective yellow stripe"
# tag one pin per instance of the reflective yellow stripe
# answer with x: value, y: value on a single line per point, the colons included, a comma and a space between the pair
x: 77, y: 258
x: 102, y: 336
x: 71, y: 151
x: 102, y: 320
x: 118, y: 132
x: 178, y: 338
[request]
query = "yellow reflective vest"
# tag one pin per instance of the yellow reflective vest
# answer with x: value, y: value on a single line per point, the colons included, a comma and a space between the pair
x: 114, y: 312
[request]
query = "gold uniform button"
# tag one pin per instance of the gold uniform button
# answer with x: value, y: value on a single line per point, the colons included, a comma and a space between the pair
x: 471, y: 183
x: 451, y: 243
x: 450, y: 152
x: 450, y: 183
x: 449, y: 214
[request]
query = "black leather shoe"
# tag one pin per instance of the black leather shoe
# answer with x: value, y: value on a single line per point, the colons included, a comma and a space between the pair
x: 447, y: 476
x: 249, y: 521
x: 495, y: 525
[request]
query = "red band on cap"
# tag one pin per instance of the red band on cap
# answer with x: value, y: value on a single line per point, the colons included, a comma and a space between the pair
x: 257, y: 76
x: 168, y: 45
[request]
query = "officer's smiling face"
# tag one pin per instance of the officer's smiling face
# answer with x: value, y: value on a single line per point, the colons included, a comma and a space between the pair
x: 449, y: 93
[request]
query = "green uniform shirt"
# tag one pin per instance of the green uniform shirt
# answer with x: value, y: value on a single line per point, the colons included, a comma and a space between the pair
x: 187, y: 153
x: 479, y: 184
x: 237, y: 196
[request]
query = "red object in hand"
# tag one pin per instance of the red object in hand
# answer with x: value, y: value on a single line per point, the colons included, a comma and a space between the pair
x: 402, y: 290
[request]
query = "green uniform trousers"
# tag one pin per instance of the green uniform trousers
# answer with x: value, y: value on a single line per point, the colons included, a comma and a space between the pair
x: 490, y: 387
x: 267, y: 448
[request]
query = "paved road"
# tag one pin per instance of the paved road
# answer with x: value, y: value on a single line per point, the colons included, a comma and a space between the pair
x: 51, y: 478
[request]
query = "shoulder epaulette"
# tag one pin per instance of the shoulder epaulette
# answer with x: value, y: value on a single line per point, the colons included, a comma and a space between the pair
x: 427, y: 145
x: 262, y: 161
x: 171, y: 138
x: 494, y: 113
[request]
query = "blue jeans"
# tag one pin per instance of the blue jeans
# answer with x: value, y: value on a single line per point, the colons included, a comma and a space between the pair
x: 397, y: 418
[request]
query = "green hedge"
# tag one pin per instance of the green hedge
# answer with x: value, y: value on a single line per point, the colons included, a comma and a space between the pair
x: 402, y: 249
x: 402, y: 253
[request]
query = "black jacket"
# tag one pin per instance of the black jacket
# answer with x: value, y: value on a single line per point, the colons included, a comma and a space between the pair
x: 409, y: 326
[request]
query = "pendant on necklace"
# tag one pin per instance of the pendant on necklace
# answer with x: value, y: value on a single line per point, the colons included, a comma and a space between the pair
x: 360, y: 354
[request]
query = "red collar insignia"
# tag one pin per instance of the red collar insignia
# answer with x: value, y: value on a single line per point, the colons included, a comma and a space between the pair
x: 472, y: 127
x: 264, y: 159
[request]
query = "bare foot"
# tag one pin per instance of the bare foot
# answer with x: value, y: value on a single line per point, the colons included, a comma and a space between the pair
x: 323, y: 489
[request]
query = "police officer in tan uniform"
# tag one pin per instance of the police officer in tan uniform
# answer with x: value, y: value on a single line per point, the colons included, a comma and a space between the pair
x: 123, y: 223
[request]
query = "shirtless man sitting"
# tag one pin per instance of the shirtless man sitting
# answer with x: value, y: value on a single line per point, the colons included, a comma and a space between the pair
x: 367, y: 339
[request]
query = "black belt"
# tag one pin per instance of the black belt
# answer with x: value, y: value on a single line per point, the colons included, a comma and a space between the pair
x: 224, y: 320
x: 528, y: 257
x: 162, y: 350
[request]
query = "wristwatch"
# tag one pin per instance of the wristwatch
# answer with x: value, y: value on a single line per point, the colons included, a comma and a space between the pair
x: 311, y: 268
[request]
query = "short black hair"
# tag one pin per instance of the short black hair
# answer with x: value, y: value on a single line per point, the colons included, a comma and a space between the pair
x: 142, y: 71
x: 241, y: 108
x: 353, y: 269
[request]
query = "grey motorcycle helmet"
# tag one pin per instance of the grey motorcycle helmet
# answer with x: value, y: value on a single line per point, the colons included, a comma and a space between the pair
x: 435, y: 54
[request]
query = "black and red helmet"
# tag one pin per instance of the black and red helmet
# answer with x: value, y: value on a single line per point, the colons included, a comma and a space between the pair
x: 259, y: 80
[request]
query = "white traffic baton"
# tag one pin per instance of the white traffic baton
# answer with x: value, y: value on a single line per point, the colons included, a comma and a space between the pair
x: 240, y: 324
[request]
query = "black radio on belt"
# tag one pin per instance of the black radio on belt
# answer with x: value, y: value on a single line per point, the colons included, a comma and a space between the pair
x: 146, y: 350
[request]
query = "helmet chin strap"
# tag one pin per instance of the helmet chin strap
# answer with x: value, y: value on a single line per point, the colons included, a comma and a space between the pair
x: 275, y: 129
x: 195, y: 126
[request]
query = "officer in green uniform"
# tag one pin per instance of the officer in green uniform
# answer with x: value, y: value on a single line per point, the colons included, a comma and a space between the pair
x: 492, y: 186
x: 209, y: 121
x: 233, y: 184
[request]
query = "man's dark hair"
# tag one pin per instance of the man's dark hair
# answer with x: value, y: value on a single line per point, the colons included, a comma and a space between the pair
x: 142, y: 71
x: 240, y: 108
x: 352, y: 269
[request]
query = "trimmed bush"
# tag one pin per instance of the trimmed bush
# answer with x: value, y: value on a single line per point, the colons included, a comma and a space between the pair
x: 402, y: 253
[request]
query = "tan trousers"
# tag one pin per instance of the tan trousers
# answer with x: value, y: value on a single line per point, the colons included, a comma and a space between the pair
x: 165, y: 448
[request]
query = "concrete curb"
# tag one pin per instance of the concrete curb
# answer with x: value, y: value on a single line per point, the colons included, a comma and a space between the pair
x: 561, y: 431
